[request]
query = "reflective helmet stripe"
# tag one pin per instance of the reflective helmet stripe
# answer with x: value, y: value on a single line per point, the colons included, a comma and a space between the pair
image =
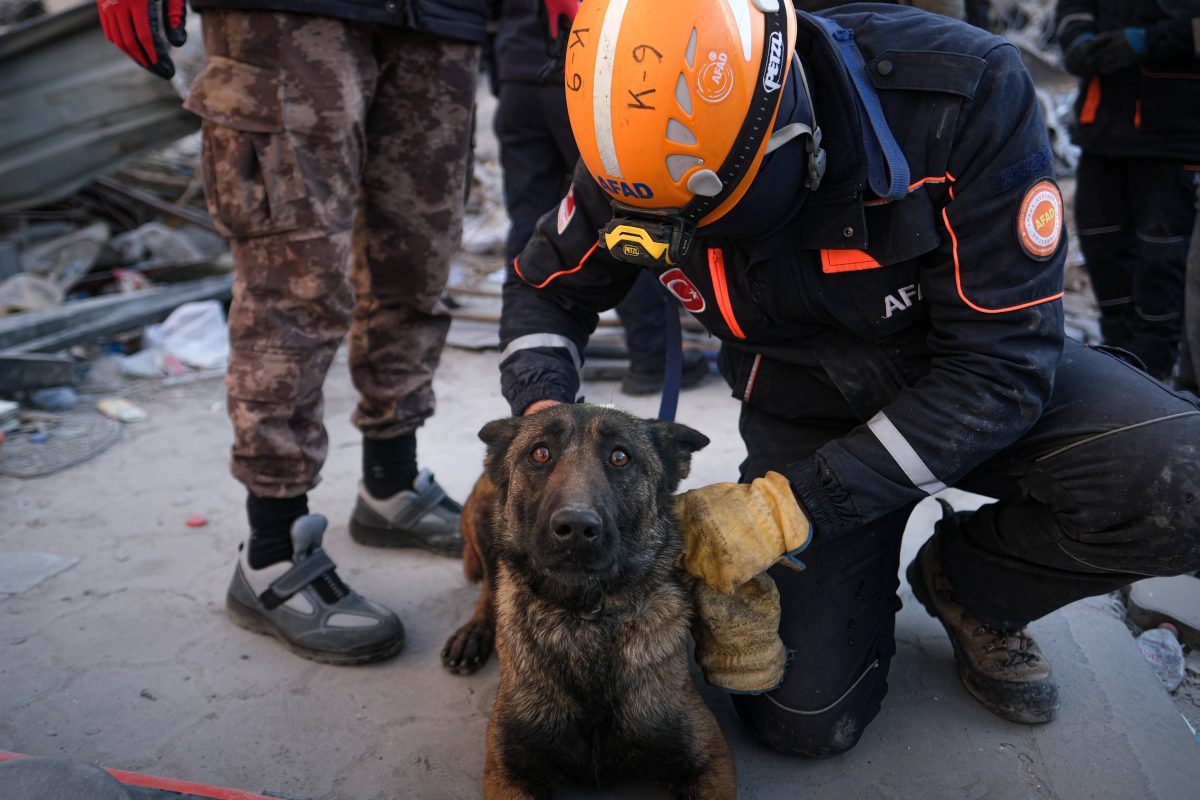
x: 602, y: 87
x: 741, y: 15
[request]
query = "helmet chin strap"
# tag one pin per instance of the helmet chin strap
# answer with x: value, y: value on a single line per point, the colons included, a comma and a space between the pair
x: 816, y: 154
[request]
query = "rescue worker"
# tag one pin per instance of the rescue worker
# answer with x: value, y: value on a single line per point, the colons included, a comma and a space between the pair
x: 1138, y: 124
x: 538, y: 155
x: 336, y: 141
x: 861, y: 206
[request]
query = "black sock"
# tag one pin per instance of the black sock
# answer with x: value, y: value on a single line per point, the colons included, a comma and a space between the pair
x: 389, y: 465
x: 270, y: 527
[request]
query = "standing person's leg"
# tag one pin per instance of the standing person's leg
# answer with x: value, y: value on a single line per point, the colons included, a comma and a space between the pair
x: 1163, y: 213
x: 1105, y: 225
x: 418, y: 146
x: 535, y: 173
x: 282, y: 127
x: 1103, y: 491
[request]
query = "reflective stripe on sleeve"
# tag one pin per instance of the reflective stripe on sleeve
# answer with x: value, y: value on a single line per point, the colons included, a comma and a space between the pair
x: 904, y: 454
x: 532, y: 340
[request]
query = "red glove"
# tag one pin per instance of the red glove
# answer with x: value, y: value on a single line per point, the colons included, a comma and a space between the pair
x: 561, y: 8
x: 135, y: 26
x: 557, y: 15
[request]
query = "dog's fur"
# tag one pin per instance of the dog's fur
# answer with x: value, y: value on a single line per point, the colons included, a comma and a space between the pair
x: 579, y: 555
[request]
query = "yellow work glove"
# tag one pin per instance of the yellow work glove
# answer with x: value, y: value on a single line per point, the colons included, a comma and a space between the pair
x: 737, y: 635
x: 733, y: 531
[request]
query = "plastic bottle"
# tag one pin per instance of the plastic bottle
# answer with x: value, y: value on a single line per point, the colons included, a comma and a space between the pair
x: 1161, y: 648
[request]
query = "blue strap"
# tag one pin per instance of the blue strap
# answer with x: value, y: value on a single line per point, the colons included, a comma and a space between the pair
x: 673, y: 368
x: 882, y: 150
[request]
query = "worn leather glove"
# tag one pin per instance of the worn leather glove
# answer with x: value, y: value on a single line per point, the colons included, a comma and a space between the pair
x: 1116, y: 50
x: 737, y: 635
x: 733, y: 531
x: 136, y: 27
x: 1077, y: 59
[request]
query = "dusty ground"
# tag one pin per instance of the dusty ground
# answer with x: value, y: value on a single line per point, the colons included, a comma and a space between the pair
x: 126, y: 659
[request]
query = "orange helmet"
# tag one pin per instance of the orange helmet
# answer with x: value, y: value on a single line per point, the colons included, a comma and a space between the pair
x: 672, y: 101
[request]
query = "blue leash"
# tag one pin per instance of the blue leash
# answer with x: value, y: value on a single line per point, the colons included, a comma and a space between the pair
x: 888, y: 177
x: 673, y: 368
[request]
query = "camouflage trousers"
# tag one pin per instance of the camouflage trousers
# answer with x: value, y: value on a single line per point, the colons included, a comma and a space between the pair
x: 335, y: 157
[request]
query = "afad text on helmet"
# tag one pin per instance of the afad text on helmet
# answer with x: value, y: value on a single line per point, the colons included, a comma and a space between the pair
x: 618, y: 187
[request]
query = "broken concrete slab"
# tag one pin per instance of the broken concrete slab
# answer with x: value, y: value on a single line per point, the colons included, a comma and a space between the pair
x: 1175, y: 600
x: 20, y: 572
x: 30, y: 371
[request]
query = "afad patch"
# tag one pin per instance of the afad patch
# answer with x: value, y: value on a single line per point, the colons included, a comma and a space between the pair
x: 1040, y: 220
x: 566, y: 210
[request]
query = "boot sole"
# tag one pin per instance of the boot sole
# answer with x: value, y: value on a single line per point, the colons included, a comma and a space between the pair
x: 1021, y: 711
x: 394, y: 537
x: 251, y: 619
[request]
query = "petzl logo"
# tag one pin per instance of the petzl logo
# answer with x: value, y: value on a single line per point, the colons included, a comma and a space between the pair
x: 683, y: 289
x: 774, y: 64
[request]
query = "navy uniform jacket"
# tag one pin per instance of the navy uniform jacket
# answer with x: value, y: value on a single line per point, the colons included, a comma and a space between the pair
x: 933, y: 323
x: 1148, y: 110
x: 450, y: 19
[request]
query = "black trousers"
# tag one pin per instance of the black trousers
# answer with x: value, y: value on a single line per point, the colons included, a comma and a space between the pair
x: 1134, y: 217
x: 1103, y: 491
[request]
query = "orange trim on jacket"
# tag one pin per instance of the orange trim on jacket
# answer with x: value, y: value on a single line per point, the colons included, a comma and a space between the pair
x: 560, y: 273
x: 1091, y: 102
x: 716, y: 270
x: 958, y: 276
x: 846, y: 261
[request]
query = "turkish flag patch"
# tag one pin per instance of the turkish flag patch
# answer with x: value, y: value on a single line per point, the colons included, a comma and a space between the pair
x: 684, y: 290
x: 566, y: 210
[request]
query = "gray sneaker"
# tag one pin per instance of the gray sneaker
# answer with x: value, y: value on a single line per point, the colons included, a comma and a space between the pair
x: 423, y: 516
x: 282, y: 600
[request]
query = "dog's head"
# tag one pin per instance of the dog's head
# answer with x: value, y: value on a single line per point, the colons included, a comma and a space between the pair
x: 584, y: 494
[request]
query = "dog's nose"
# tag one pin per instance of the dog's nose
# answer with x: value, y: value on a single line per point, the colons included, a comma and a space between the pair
x: 575, y: 524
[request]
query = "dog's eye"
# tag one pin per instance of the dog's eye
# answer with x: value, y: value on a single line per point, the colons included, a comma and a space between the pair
x: 540, y: 454
x: 618, y: 458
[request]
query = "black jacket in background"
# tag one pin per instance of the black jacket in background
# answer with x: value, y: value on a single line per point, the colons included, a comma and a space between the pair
x: 1151, y: 109
x: 452, y: 19
x: 520, y: 43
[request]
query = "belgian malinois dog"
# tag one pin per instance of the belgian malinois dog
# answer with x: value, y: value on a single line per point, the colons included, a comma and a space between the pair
x: 572, y: 532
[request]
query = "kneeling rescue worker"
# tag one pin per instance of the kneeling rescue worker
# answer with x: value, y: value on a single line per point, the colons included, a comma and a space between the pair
x: 861, y: 206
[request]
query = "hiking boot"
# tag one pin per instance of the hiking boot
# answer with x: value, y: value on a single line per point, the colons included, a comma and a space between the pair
x: 419, y: 517
x: 306, y: 606
x: 1005, y: 671
x: 648, y: 380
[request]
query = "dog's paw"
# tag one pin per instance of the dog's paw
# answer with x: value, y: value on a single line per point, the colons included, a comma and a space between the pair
x: 468, y: 649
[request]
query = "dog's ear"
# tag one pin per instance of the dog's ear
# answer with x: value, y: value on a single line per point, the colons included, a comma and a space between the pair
x: 676, y: 443
x: 498, y: 435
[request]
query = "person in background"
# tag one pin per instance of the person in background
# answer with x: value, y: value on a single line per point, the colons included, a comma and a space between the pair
x: 538, y: 154
x: 1138, y: 124
x: 336, y: 138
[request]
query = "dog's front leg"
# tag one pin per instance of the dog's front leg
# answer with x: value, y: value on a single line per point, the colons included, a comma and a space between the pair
x: 499, y: 782
x: 717, y: 779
